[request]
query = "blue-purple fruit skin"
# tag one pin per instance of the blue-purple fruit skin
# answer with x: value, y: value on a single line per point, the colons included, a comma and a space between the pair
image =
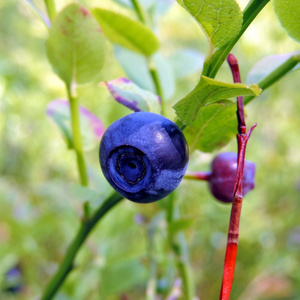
x: 13, y: 280
x: 143, y: 156
x: 223, y: 176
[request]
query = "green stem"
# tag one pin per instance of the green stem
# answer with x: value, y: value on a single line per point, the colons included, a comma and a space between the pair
x: 77, y: 145
x: 51, y: 9
x: 155, y: 77
x: 140, y: 12
x: 251, y: 11
x: 158, y: 88
x: 85, y: 228
x: 180, y: 249
x: 277, y: 74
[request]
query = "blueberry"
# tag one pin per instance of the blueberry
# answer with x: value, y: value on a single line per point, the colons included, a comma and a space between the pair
x: 223, y: 175
x: 143, y: 156
x: 12, y: 280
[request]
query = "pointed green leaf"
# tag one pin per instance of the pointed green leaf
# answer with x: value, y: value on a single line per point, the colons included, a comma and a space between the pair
x: 186, y: 62
x: 136, y: 67
x: 75, y: 46
x: 288, y: 12
x: 165, y: 75
x: 220, y: 20
x: 126, y: 32
x: 180, y: 2
x: 214, y: 127
x: 129, y: 94
x: 207, y: 91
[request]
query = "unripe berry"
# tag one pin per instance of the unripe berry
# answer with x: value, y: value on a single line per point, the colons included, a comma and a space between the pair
x: 223, y: 176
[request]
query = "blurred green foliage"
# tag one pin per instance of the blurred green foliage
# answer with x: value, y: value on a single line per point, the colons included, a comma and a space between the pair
x: 39, y: 209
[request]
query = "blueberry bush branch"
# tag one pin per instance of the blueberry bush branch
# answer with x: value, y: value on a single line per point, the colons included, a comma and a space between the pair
x: 182, y: 256
x: 211, y: 67
x: 233, y: 231
x: 180, y: 247
x: 77, y: 143
x: 87, y: 225
x: 156, y: 80
x: 87, y: 222
x: 141, y: 14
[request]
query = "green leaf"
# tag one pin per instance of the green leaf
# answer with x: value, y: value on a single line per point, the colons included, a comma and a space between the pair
x: 267, y: 65
x: 165, y: 75
x: 220, y: 20
x: 129, y: 94
x: 126, y: 32
x: 288, y: 12
x: 207, y: 91
x: 75, y: 47
x: 214, y: 127
x: 136, y: 67
x: 186, y: 62
x: 180, y: 2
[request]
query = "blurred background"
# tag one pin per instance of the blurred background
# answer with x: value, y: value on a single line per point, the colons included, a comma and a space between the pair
x: 39, y: 200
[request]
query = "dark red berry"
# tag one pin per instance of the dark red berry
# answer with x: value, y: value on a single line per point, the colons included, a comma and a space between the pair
x: 223, y: 176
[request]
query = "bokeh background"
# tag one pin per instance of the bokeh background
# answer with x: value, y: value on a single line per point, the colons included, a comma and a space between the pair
x: 40, y: 204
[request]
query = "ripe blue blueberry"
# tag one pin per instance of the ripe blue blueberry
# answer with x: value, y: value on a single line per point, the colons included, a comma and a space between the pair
x: 12, y: 281
x: 223, y: 176
x: 143, y: 156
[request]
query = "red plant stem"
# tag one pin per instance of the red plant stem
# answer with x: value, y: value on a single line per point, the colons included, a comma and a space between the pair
x: 198, y: 175
x: 233, y: 64
x: 234, y: 223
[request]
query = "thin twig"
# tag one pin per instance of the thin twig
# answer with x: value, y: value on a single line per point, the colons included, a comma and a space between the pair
x: 198, y: 175
x: 141, y: 14
x: 76, y: 135
x: 234, y: 223
x: 51, y: 9
x: 240, y: 104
